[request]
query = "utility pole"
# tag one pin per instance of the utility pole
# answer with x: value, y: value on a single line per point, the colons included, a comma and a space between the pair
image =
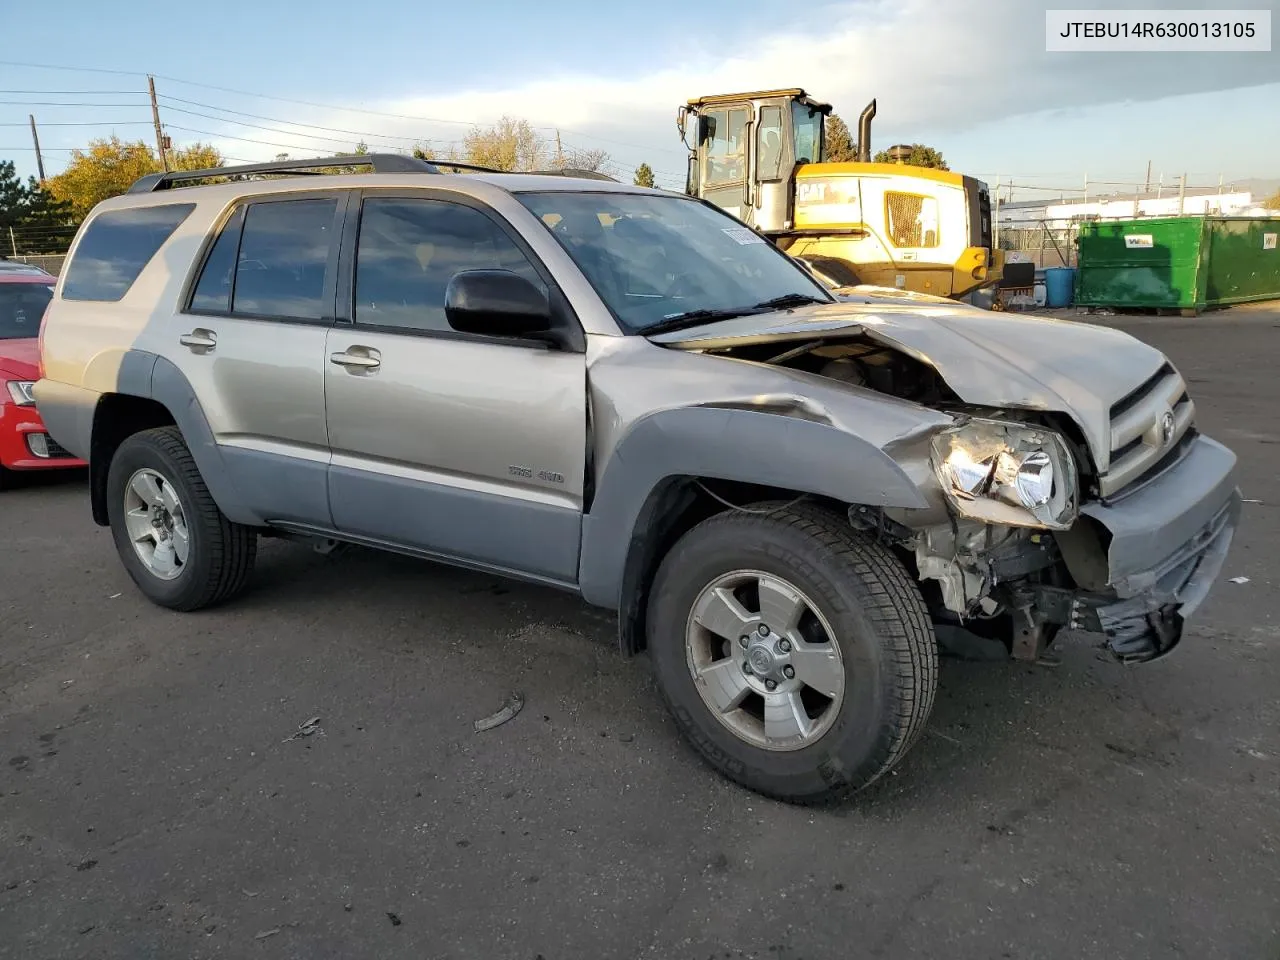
x: 1147, y: 186
x: 995, y: 218
x: 155, y: 118
x: 1182, y: 193
x: 35, y: 139
x: 559, y: 151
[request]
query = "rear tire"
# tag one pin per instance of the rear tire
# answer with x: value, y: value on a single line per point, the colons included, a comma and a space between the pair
x: 860, y: 596
x: 196, y: 557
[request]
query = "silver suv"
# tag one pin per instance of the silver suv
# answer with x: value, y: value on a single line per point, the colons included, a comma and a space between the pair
x: 789, y: 498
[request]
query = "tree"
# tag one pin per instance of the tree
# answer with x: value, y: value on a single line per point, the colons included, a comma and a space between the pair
x: 39, y: 223
x: 1272, y: 202
x: 509, y: 144
x: 839, y: 142
x: 592, y: 161
x: 644, y: 176
x: 108, y: 167
x: 921, y: 156
x: 198, y: 156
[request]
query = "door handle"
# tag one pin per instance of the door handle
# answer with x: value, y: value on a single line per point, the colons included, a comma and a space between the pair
x: 357, y: 361
x: 199, y: 340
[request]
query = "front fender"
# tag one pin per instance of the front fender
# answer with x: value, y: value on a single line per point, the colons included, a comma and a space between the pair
x: 728, y: 443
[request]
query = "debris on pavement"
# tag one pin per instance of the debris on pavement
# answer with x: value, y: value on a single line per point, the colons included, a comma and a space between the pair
x: 509, y: 709
x: 1250, y: 501
x: 305, y: 729
x: 394, y: 918
x: 266, y: 933
x: 1238, y: 580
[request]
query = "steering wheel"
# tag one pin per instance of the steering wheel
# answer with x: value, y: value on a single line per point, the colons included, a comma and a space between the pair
x: 682, y: 284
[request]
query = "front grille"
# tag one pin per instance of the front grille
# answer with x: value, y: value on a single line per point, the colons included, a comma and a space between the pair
x: 57, y: 451
x: 1142, y: 443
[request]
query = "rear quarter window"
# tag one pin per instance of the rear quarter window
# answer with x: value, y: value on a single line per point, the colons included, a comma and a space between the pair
x: 115, y: 248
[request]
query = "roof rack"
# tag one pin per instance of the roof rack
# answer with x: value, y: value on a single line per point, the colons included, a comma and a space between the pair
x: 380, y: 162
x: 561, y: 172
x: 452, y: 165
x: 574, y: 172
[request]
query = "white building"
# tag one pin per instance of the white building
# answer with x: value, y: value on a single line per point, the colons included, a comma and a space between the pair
x: 1194, y: 203
x: 1063, y: 213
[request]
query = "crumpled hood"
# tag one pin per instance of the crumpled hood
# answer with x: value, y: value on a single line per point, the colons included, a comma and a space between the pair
x: 987, y: 358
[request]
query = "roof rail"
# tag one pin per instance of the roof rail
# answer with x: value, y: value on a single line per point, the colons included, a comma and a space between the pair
x: 381, y: 163
x: 574, y: 172
x: 561, y: 172
x: 464, y: 166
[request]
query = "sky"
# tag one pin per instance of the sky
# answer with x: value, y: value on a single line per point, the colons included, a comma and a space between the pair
x: 261, y: 77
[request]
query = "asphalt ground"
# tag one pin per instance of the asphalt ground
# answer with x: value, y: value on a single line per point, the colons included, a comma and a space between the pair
x: 154, y: 804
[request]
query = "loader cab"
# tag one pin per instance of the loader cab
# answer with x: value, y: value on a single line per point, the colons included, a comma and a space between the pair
x: 762, y: 158
x: 745, y: 148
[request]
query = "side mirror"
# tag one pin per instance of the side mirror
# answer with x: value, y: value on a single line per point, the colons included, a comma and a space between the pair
x: 496, y: 303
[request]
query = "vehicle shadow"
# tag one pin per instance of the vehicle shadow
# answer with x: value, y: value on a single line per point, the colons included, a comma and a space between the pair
x: 42, y: 479
x: 989, y: 719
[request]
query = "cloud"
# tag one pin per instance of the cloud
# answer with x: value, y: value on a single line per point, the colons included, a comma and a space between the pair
x: 934, y: 66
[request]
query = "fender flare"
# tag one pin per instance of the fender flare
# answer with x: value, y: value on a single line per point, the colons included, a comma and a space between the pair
x: 152, y: 377
x: 728, y: 443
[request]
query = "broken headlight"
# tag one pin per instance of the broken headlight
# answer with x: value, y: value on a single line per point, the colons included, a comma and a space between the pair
x: 1010, y: 473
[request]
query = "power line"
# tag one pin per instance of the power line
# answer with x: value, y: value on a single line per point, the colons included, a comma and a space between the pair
x: 256, y: 116
x: 68, y: 93
x: 313, y: 103
x: 53, y: 66
x: 80, y: 123
x: 313, y: 136
x: 51, y: 103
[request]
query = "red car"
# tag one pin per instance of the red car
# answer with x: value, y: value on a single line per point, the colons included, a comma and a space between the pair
x: 24, y: 445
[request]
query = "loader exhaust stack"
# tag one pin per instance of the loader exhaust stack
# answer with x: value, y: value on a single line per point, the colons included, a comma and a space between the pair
x: 864, y: 132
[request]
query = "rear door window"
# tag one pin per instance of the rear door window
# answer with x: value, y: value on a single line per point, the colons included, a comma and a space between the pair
x: 115, y: 248
x: 284, y: 251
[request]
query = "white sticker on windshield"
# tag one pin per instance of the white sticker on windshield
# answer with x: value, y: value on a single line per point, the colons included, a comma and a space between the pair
x: 743, y: 235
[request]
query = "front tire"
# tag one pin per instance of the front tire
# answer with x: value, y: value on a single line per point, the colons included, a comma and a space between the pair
x: 795, y: 653
x: 178, y: 547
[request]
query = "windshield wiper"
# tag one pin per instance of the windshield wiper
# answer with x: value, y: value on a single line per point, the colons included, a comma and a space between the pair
x: 790, y: 300
x: 694, y: 318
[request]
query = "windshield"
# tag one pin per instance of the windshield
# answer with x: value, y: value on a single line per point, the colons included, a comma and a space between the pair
x: 21, y: 307
x: 653, y: 259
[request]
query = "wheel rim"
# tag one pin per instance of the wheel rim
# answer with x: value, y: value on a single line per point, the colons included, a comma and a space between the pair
x: 157, y: 524
x: 764, y: 660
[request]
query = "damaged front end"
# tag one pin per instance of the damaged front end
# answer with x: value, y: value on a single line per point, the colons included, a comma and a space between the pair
x: 1071, y: 488
x: 1132, y: 567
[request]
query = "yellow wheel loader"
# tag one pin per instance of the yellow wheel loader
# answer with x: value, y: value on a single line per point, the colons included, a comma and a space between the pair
x: 761, y: 157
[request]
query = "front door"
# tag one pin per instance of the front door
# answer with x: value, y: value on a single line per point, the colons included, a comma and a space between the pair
x: 468, y: 447
x: 724, y: 132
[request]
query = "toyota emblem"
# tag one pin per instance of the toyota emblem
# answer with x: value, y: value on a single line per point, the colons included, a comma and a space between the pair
x: 1167, y: 426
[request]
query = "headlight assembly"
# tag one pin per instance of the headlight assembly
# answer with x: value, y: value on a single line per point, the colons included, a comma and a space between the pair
x: 1009, y: 473
x: 20, y: 391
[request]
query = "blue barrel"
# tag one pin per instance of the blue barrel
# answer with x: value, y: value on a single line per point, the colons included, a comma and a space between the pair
x: 1058, y: 286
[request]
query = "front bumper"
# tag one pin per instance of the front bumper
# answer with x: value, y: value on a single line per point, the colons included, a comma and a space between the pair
x: 25, y: 443
x: 1168, y: 543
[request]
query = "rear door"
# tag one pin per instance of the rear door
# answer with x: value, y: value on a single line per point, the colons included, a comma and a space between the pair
x: 459, y: 445
x: 251, y: 341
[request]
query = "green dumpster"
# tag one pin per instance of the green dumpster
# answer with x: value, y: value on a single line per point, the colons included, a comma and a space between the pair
x: 1180, y: 263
